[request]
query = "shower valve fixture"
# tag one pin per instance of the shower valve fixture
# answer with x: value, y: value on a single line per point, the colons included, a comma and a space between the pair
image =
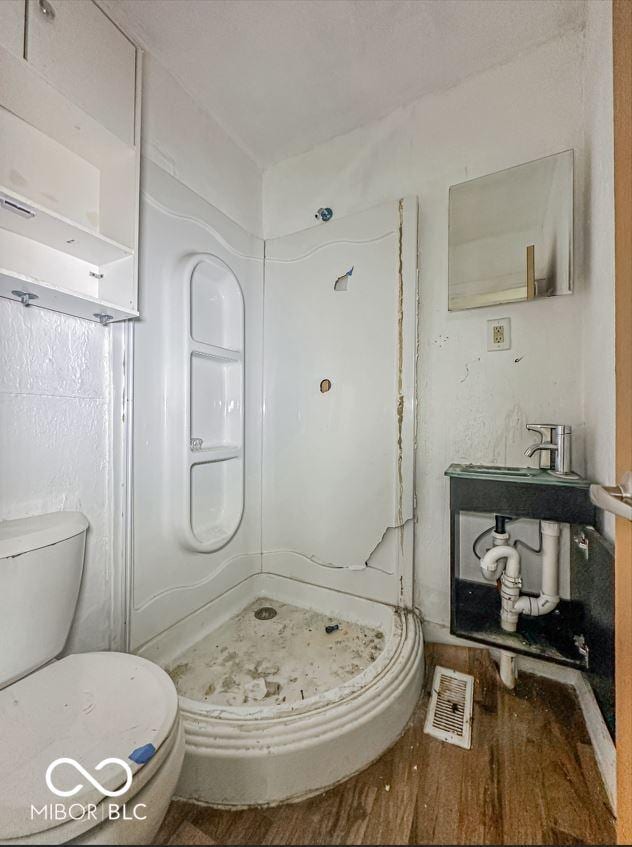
x: 324, y: 214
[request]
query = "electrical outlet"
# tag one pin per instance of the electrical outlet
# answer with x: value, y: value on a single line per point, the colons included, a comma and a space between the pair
x: 499, y: 334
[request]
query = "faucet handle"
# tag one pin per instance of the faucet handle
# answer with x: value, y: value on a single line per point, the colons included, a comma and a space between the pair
x: 545, y: 431
x: 563, y: 429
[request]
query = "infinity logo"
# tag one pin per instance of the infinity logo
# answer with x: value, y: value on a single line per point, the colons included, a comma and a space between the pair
x: 89, y: 777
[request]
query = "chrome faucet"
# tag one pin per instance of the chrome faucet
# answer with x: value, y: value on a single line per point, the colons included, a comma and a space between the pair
x: 556, y: 440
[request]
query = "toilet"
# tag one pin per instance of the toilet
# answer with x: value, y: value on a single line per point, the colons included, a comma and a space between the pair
x: 91, y: 745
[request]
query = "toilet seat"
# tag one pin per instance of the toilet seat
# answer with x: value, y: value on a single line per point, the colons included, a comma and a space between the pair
x: 152, y: 791
x: 87, y: 707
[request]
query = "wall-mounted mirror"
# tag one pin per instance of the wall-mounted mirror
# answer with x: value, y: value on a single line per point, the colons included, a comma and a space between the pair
x: 511, y: 234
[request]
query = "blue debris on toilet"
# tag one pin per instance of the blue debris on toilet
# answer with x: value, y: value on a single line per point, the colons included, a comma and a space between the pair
x: 142, y: 754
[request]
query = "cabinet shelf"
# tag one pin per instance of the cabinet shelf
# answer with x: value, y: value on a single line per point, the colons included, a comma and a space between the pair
x: 56, y: 231
x: 60, y: 299
x: 70, y: 163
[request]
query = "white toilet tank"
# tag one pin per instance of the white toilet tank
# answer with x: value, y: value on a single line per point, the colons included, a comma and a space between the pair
x: 41, y: 559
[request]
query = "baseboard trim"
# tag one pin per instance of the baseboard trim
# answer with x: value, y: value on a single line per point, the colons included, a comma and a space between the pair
x: 603, y: 745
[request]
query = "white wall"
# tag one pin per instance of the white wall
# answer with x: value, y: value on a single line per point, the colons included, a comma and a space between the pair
x: 54, y: 440
x: 473, y: 404
x: 183, y: 139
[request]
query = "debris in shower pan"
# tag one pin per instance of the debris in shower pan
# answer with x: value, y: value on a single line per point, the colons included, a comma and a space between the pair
x: 178, y: 671
x: 272, y: 688
x: 332, y: 628
x: 256, y: 690
x: 266, y: 668
x: 342, y: 282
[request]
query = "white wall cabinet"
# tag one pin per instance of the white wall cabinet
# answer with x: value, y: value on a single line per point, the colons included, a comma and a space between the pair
x: 70, y: 162
x: 12, y: 25
x: 86, y: 57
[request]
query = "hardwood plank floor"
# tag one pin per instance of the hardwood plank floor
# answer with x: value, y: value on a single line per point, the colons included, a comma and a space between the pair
x: 530, y: 778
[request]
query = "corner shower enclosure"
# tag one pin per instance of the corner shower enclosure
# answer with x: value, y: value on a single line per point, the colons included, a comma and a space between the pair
x: 272, y: 479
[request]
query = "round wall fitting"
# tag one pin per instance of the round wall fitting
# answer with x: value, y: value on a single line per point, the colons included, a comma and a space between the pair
x: 324, y: 214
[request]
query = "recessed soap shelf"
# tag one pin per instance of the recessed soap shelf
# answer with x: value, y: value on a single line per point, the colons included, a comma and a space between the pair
x: 211, y: 414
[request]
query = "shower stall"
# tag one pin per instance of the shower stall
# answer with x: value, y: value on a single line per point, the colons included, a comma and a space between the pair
x: 271, y: 553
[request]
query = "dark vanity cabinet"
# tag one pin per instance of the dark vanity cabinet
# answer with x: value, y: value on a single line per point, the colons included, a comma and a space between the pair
x: 579, y: 633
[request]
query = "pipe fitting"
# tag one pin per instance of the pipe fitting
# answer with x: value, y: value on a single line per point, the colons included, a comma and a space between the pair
x: 550, y: 528
x: 507, y: 668
x: 491, y: 561
x: 510, y: 586
x: 510, y: 581
x: 490, y: 570
x: 543, y: 604
x: 549, y: 596
x: 505, y: 558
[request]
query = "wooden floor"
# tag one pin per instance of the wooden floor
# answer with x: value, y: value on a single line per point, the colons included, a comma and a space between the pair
x: 530, y: 778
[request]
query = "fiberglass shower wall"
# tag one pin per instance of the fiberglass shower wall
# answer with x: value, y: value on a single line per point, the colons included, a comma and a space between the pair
x: 339, y: 401
x: 196, y: 474
x: 330, y: 500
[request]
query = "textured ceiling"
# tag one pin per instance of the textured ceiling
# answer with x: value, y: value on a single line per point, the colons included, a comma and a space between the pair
x: 281, y: 76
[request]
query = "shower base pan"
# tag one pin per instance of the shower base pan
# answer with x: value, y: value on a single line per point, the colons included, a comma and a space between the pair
x: 276, y: 708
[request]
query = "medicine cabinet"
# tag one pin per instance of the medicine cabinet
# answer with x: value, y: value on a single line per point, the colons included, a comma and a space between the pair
x: 69, y: 159
x: 511, y: 234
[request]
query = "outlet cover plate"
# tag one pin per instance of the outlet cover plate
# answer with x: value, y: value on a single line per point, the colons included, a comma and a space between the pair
x: 499, y: 334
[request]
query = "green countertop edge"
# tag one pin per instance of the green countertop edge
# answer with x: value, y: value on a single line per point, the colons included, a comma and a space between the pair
x: 536, y: 476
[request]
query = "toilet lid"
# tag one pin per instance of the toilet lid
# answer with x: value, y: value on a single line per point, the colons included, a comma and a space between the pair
x: 88, y: 707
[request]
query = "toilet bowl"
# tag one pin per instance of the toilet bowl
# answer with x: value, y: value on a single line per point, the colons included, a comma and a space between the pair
x: 91, y: 745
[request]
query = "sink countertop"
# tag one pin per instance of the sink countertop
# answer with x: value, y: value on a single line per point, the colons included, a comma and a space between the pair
x: 497, y: 473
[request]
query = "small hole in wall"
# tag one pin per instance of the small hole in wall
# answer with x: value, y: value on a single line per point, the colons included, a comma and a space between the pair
x: 325, y: 385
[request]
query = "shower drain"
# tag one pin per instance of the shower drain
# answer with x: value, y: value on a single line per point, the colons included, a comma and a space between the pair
x: 265, y: 613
